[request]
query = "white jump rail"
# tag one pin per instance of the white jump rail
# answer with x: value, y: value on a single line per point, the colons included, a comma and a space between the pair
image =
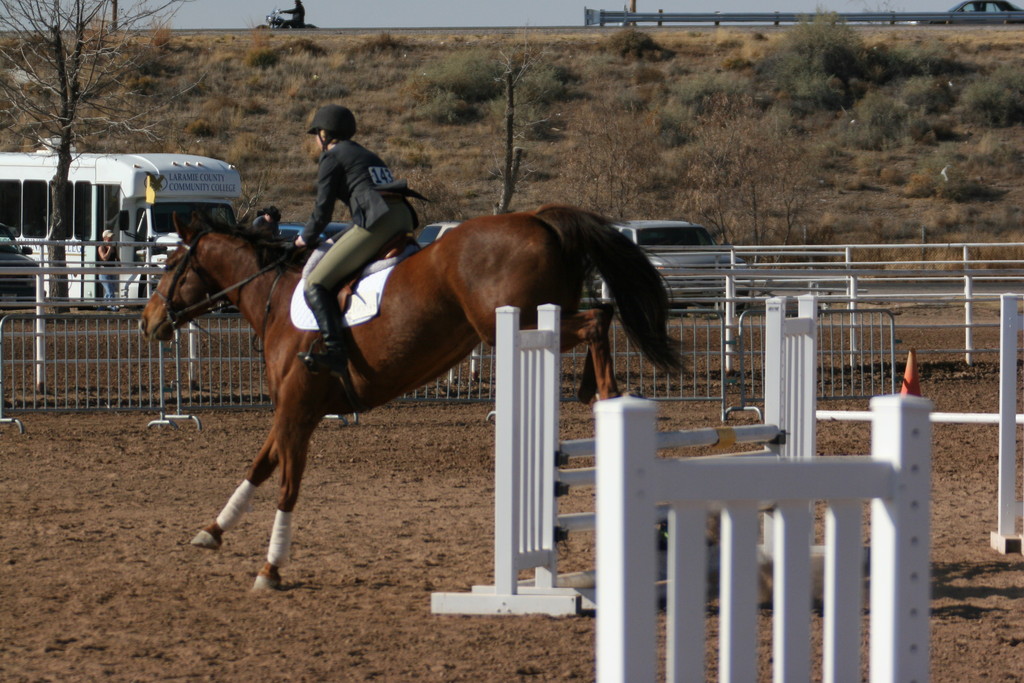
x: 633, y: 481
x: 529, y: 458
x: 1010, y: 508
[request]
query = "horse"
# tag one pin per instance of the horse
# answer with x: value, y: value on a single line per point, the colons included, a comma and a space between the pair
x: 437, y: 306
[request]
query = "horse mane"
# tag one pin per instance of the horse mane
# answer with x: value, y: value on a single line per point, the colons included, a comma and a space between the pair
x: 267, y: 246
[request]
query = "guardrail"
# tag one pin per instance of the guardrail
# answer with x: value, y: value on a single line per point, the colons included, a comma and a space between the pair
x: 600, y: 17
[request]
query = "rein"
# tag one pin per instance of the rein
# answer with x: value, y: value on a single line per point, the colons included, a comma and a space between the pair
x: 217, y: 298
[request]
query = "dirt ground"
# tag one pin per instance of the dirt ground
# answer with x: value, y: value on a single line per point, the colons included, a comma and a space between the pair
x: 98, y: 580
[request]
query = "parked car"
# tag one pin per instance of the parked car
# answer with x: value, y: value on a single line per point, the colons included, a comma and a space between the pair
x: 985, y: 6
x: 677, y: 249
x: 289, y: 231
x: 12, y: 255
x: 433, y: 232
x: 985, y: 10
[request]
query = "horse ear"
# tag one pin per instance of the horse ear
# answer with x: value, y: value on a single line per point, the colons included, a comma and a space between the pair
x: 184, y: 230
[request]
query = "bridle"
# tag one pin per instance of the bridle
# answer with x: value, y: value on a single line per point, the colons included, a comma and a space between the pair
x: 212, y: 301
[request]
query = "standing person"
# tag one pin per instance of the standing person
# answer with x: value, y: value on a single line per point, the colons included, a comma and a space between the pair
x: 380, y: 210
x: 298, y: 13
x: 107, y: 256
x: 268, y: 219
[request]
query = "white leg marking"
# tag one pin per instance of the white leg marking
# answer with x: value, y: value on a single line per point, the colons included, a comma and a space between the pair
x: 280, y: 539
x: 238, y: 504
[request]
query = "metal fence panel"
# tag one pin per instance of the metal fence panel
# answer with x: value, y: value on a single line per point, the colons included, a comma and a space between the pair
x: 93, y: 361
x: 100, y: 362
x: 856, y: 355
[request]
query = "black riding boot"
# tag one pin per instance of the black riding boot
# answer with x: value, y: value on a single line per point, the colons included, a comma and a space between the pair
x: 324, y: 305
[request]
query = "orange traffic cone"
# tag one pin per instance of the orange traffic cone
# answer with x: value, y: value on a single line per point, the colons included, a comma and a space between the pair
x: 911, y: 381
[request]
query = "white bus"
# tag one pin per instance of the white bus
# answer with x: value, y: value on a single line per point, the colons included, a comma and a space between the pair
x: 134, y: 195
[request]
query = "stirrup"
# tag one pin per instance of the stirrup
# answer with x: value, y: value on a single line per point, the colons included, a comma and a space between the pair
x: 334, y: 362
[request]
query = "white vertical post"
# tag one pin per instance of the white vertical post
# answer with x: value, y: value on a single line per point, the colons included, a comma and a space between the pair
x: 968, y: 315
x: 842, y: 592
x: 546, y: 414
x: 730, y: 319
x: 801, y: 422
x: 507, y: 445
x: 791, y: 594
x: 900, y: 542
x: 40, y: 331
x: 626, y: 552
x: 775, y: 373
x: 773, y: 361
x: 687, y: 594
x: 737, y: 648
x: 1004, y: 538
x: 854, y: 294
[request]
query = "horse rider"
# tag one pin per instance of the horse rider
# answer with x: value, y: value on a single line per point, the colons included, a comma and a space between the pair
x: 380, y: 211
x: 298, y: 19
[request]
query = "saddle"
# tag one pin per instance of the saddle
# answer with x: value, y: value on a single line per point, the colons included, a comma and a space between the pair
x: 393, y: 248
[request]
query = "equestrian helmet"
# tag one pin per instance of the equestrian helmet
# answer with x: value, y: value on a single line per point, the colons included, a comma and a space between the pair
x: 336, y: 120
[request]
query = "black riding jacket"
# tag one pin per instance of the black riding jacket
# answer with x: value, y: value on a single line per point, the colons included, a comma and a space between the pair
x: 355, y: 175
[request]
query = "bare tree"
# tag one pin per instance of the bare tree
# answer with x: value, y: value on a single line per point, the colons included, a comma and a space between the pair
x: 66, y: 68
x: 748, y: 175
x: 517, y: 66
x: 613, y: 168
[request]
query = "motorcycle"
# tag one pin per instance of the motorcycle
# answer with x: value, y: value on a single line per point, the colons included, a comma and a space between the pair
x: 277, y: 19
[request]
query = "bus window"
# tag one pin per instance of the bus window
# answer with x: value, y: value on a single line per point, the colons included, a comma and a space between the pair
x: 112, y: 209
x: 10, y: 204
x: 83, y: 211
x: 35, y: 214
x: 162, y: 212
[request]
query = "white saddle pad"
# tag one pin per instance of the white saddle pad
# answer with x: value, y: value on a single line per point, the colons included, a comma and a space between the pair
x: 365, y: 302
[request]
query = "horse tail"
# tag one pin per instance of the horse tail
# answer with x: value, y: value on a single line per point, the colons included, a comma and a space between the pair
x: 636, y: 286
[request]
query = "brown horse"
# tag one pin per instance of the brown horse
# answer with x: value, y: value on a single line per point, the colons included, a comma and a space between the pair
x: 438, y: 305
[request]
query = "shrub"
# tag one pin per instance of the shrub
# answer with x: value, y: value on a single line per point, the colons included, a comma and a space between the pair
x: 949, y: 183
x: 928, y: 95
x: 544, y: 84
x: 245, y: 149
x: 883, y: 63
x: 816, y: 63
x: 878, y: 121
x: 200, y: 128
x: 997, y: 99
x: 630, y: 42
x: 694, y: 92
x: 380, y: 43
x: 261, y: 58
x: 470, y: 75
x: 160, y: 38
x: 303, y: 46
x: 445, y: 107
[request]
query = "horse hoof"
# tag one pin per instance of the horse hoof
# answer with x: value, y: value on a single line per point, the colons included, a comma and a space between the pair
x: 265, y: 583
x: 204, y: 539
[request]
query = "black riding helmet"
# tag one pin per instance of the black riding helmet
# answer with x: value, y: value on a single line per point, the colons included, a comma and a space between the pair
x: 336, y: 120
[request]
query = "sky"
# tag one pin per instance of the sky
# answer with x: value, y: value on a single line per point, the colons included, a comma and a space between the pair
x: 244, y: 14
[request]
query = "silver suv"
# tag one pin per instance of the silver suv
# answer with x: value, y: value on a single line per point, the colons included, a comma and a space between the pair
x: 680, y: 251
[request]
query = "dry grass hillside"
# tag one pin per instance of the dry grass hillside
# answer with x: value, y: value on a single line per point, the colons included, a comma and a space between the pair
x: 815, y: 133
